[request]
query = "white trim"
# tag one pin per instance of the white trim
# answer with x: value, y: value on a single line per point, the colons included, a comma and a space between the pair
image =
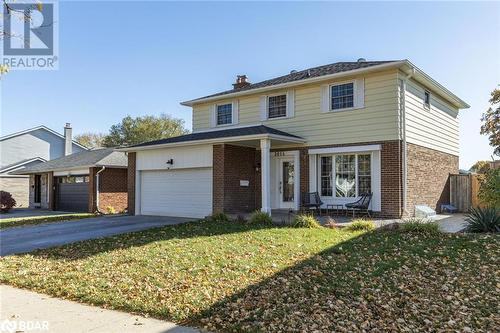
x: 20, y: 164
x: 70, y: 172
x: 347, y: 149
x: 313, y: 184
x: 218, y: 140
x: 265, y: 153
x: 41, y: 127
x: 397, y: 64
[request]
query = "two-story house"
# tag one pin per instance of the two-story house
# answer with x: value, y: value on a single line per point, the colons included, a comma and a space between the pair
x: 381, y: 127
x: 27, y: 148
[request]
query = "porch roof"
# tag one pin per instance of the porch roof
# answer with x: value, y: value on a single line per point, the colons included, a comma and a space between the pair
x: 224, y: 135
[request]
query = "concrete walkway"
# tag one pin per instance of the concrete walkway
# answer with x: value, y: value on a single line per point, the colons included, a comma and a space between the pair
x: 30, y: 212
x: 28, y: 238
x: 19, y: 307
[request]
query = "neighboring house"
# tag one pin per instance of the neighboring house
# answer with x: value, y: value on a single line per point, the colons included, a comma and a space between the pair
x: 495, y: 164
x: 27, y: 148
x: 89, y: 181
x: 343, y: 129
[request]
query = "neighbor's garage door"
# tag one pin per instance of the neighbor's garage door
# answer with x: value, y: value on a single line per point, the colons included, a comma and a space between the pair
x: 183, y: 192
x: 72, y: 193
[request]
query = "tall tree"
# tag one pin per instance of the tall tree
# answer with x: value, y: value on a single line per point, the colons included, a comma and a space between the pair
x: 480, y: 167
x: 491, y: 122
x: 142, y: 129
x: 91, y: 140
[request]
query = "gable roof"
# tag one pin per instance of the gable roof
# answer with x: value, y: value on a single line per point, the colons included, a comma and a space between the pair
x: 41, y: 127
x: 217, y: 135
x: 91, y: 158
x: 335, y: 70
x: 20, y: 164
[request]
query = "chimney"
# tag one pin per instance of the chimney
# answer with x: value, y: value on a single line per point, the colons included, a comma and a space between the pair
x: 68, y: 140
x: 241, y: 82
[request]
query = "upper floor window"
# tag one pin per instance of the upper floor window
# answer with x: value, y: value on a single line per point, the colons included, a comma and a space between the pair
x: 342, y: 96
x: 224, y: 114
x: 427, y: 99
x: 276, y: 106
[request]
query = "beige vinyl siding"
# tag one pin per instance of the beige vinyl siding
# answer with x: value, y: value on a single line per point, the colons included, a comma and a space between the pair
x: 436, y: 127
x: 377, y: 121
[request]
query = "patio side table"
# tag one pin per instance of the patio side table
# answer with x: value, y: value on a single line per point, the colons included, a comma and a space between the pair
x: 334, y: 207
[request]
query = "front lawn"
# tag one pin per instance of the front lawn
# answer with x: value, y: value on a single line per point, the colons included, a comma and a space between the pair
x: 31, y: 220
x: 239, y: 278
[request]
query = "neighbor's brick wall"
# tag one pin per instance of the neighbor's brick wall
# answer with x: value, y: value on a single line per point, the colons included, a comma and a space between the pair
x: 113, y: 190
x: 131, y: 182
x: 428, y: 177
x: 230, y: 165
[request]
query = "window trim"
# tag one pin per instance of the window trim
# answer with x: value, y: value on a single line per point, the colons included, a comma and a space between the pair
x: 217, y: 114
x: 286, y: 105
x: 427, y: 105
x: 354, y: 91
x: 334, y: 172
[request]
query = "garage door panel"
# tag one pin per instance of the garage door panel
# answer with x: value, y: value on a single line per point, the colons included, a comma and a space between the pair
x: 72, y: 197
x: 186, y: 192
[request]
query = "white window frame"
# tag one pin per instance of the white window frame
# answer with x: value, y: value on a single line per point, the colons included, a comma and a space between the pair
x: 217, y: 114
x: 354, y: 92
x: 334, y: 173
x: 427, y: 105
x: 286, y: 105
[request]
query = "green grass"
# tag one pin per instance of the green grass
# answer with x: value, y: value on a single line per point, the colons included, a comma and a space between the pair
x: 30, y: 220
x: 254, y: 278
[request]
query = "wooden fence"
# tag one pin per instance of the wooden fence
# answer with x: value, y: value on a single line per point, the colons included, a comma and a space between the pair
x: 464, y: 191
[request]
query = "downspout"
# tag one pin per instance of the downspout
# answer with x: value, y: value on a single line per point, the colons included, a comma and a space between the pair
x: 403, y: 129
x: 97, y: 188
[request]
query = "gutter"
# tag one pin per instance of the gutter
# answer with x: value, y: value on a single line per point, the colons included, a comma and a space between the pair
x: 405, y: 146
x: 97, y: 188
x: 215, y: 141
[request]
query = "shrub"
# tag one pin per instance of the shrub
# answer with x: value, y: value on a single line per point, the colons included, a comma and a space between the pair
x: 219, y: 217
x: 361, y: 225
x: 305, y: 221
x: 6, y: 201
x: 420, y: 226
x: 489, y: 188
x: 240, y: 219
x: 483, y: 220
x: 110, y: 210
x: 259, y: 217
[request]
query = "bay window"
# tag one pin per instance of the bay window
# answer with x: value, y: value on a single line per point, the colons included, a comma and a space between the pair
x: 351, y: 174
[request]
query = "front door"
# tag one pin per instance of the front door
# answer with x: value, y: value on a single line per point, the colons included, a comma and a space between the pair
x: 286, y: 186
x: 37, y: 197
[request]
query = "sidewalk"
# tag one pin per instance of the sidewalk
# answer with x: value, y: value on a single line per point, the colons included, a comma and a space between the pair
x: 20, y: 306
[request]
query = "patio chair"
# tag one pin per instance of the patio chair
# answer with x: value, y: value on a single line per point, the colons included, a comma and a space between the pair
x: 311, y: 200
x: 361, y: 205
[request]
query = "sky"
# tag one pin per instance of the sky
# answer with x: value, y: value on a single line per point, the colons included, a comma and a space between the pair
x: 138, y: 58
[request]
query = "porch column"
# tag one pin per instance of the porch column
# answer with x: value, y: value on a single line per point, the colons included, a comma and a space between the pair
x: 265, y: 160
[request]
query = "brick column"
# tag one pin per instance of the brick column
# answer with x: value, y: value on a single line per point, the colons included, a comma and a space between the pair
x: 50, y: 190
x: 218, y: 179
x: 131, y: 182
x: 92, y: 205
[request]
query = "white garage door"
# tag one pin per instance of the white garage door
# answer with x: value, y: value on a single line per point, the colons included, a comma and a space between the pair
x: 186, y: 192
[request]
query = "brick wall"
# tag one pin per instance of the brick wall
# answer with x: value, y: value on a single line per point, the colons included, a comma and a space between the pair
x: 131, y: 182
x: 428, y: 177
x: 230, y: 165
x: 113, y: 190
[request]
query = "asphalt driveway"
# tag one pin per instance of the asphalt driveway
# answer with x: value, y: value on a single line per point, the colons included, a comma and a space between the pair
x: 29, y: 238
